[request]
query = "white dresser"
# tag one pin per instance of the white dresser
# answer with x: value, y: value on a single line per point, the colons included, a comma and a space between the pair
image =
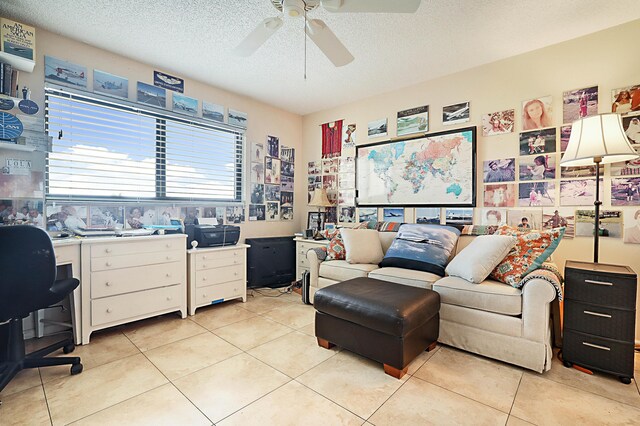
x: 302, y: 246
x: 131, y: 278
x: 217, y: 275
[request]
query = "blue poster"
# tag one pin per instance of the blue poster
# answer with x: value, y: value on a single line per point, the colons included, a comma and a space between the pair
x: 10, y: 126
x: 167, y: 81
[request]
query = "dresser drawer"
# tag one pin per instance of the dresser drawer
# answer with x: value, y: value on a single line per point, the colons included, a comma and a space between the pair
x: 600, y: 288
x: 120, y: 281
x: 219, y: 275
x: 599, y: 320
x: 218, y: 261
x: 303, y: 262
x: 117, y: 308
x: 138, y: 259
x: 218, y: 254
x: 589, y: 351
x: 66, y: 254
x: 127, y: 247
x: 208, y: 294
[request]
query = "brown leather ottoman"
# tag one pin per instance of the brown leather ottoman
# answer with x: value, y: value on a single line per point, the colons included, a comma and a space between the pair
x: 387, y: 322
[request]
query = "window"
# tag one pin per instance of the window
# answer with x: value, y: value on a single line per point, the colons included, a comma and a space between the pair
x: 102, y: 150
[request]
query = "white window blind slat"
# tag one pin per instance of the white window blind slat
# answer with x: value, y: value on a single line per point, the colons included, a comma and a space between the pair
x: 113, y: 151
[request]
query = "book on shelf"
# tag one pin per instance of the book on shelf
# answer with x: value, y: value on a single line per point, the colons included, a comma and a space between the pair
x: 8, y: 80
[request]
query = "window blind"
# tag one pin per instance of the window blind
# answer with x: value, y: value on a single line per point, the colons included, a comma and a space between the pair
x: 104, y: 150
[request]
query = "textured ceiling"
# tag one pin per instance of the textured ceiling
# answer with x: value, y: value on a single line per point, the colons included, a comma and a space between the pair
x: 194, y: 38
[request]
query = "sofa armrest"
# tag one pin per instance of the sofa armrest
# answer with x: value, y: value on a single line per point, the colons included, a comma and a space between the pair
x: 537, y: 295
x: 314, y: 268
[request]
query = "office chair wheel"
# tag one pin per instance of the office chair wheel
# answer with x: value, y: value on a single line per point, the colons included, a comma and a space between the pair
x: 69, y: 348
x: 76, y: 369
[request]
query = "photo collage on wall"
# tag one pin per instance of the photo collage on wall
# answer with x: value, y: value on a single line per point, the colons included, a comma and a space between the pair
x: 272, y: 181
x: 535, y: 180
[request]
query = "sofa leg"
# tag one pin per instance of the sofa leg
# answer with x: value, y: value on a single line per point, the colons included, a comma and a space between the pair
x: 432, y: 346
x: 394, y: 372
x: 325, y: 343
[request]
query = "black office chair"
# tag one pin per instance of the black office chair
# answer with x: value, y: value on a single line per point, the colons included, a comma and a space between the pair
x: 28, y: 283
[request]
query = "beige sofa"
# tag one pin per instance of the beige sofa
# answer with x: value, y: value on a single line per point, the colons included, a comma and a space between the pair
x: 491, y: 319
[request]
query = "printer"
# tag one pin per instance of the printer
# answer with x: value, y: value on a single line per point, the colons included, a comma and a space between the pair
x: 212, y: 235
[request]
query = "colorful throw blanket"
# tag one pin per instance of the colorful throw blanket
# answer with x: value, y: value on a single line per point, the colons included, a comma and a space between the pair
x: 548, y: 272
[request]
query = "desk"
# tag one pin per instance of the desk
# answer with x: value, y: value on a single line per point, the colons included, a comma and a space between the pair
x: 67, y: 252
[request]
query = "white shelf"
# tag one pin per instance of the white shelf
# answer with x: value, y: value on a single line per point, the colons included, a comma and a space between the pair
x: 17, y: 62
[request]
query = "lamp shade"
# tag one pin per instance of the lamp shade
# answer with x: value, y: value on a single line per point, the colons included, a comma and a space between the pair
x: 320, y: 199
x: 600, y: 135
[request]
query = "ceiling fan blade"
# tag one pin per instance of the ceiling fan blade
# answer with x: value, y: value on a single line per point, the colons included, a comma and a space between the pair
x: 371, y: 6
x: 257, y: 37
x: 328, y: 43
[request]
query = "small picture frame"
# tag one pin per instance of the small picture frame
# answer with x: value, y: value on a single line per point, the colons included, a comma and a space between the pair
x: 329, y: 227
x: 312, y: 220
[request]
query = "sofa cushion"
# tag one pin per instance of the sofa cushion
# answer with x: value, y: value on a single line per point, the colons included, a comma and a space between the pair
x: 422, y: 247
x: 405, y: 276
x: 489, y: 295
x: 341, y: 270
x: 531, y: 250
x: 335, y: 248
x: 362, y: 245
x: 476, y: 261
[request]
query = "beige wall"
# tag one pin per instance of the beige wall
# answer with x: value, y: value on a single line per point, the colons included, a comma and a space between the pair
x: 263, y: 119
x: 608, y: 59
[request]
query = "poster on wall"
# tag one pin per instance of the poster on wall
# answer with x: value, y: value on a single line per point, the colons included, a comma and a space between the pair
x: 213, y: 112
x: 493, y: 217
x: 580, y: 103
x: 237, y: 118
x: 625, y: 99
x: 110, y: 84
x: 537, y: 113
x: 377, y: 128
x: 17, y: 39
x: 555, y: 217
x: 287, y: 154
x: 349, y: 136
x: 184, y: 104
x: 610, y: 223
x: 151, y: 95
x: 455, y: 114
x: 632, y: 226
x: 235, y: 214
x: 63, y: 72
x: 498, y: 123
x: 397, y: 172
x: 167, y: 81
x: 414, y: 120
x: 273, y: 146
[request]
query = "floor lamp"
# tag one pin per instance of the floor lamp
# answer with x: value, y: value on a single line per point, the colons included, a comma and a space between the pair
x: 319, y: 200
x: 599, y: 139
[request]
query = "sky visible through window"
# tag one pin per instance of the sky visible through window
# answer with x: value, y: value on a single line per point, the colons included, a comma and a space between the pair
x: 108, y: 152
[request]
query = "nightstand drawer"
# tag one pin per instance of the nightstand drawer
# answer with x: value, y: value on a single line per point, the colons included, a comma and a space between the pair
x: 303, y: 262
x: 600, y: 320
x: 220, y: 275
x: 589, y: 351
x: 600, y: 288
x: 230, y: 290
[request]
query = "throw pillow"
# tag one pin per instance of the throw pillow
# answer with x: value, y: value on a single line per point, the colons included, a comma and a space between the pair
x: 476, y: 261
x: 362, y: 245
x: 422, y: 247
x: 530, y: 251
x: 335, y: 249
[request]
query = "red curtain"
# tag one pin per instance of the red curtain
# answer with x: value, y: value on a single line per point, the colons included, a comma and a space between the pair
x: 332, y: 139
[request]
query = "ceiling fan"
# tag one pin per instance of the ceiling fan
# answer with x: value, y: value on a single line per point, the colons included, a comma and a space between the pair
x: 316, y: 29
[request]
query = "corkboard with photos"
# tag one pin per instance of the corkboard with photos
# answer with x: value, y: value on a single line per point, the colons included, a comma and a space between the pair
x: 272, y: 172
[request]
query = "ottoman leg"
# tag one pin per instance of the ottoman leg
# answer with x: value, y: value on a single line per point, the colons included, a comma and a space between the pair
x: 394, y: 372
x: 432, y: 346
x: 325, y: 343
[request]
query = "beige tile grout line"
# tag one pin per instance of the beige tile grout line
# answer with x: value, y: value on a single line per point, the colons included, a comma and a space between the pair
x: 44, y: 392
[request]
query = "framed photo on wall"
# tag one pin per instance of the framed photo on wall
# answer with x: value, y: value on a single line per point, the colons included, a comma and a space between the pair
x: 435, y: 170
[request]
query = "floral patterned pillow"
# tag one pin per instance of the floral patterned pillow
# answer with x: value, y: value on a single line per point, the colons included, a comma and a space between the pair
x: 530, y: 251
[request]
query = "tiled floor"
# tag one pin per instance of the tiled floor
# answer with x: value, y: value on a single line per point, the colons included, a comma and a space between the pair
x: 258, y: 363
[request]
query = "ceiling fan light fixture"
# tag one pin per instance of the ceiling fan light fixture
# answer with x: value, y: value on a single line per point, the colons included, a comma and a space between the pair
x: 293, y: 8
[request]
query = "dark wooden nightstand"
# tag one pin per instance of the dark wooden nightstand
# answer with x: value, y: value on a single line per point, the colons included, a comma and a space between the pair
x: 600, y: 317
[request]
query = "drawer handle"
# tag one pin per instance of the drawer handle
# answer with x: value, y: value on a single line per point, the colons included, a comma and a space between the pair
x: 235, y: 262
x: 168, y: 245
x: 597, y: 314
x: 591, y: 345
x: 235, y: 253
x: 598, y: 282
x: 168, y: 275
x: 204, y: 266
x: 235, y: 273
x: 301, y: 251
x: 107, y: 250
x: 108, y: 263
x: 108, y: 284
x: 204, y: 278
x: 168, y: 257
x: 168, y: 298
x: 109, y: 310
x: 57, y: 256
x: 204, y: 296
